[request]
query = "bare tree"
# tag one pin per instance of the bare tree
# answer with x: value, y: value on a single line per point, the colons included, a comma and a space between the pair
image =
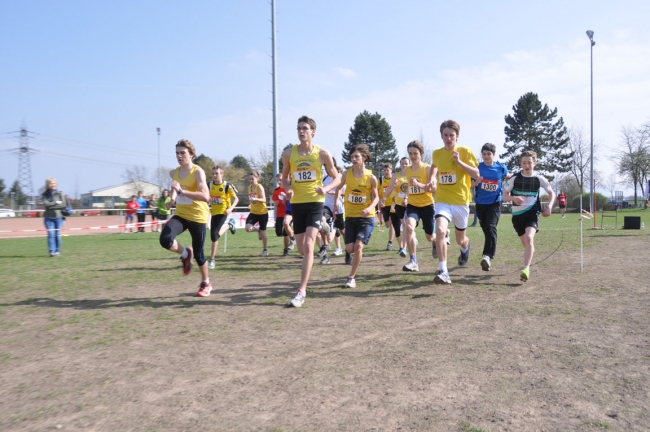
x: 137, y: 175
x: 634, y: 158
x: 610, y: 183
x: 581, y: 148
x: 428, y: 151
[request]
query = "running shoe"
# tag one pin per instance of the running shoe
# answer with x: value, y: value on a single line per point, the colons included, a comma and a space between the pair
x: 442, y: 278
x: 348, y: 258
x: 403, y: 253
x: 286, y: 252
x: 212, y: 264
x: 338, y: 252
x: 231, y: 226
x: 562, y: 216
x: 447, y: 237
x: 485, y: 263
x: 463, y: 257
x: 265, y: 253
x: 204, y: 289
x: 329, y: 247
x: 525, y: 274
x: 292, y: 243
x: 324, y: 226
x: 187, y: 262
x: 351, y: 283
x: 297, y: 301
x: 325, y: 259
x: 434, y: 251
x: 389, y: 246
x: 322, y: 251
x: 411, y: 266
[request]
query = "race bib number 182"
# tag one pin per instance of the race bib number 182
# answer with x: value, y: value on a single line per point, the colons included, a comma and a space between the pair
x: 304, y: 176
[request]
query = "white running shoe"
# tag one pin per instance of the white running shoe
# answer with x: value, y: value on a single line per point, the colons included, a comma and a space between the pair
x: 298, y: 300
x: 389, y: 246
x: 485, y: 263
x: 351, y: 283
x: 322, y: 251
x: 265, y: 253
x: 447, y: 237
x: 338, y: 252
x: 403, y: 253
x: 292, y: 244
x: 325, y: 259
x: 442, y: 278
x: 411, y: 266
x: 212, y: 264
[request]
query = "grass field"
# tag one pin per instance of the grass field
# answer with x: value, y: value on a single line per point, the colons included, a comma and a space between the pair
x: 108, y: 336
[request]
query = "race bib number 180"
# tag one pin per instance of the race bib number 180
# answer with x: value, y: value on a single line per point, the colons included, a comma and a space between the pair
x: 357, y: 199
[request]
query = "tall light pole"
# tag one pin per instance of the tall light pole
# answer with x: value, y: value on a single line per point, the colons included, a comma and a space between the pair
x: 159, y: 179
x: 275, y: 96
x: 592, y: 196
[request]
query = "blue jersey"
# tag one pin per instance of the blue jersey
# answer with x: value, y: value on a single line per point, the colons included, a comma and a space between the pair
x: 489, y: 190
x: 142, y: 202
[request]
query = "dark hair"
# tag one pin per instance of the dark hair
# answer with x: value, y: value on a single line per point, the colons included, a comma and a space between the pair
x: 416, y: 144
x: 188, y: 145
x: 528, y: 153
x: 489, y: 147
x: 310, y: 122
x: 363, y: 149
x: 450, y: 124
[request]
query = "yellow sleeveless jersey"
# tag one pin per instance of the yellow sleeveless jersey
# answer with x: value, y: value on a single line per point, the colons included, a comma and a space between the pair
x: 306, y: 175
x: 453, y: 182
x: 186, y: 208
x: 401, y: 188
x: 257, y: 207
x: 221, y: 196
x: 358, y: 194
x: 418, y: 197
x: 385, y: 183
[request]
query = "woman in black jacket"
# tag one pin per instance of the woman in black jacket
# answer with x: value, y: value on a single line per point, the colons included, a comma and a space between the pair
x: 54, y: 202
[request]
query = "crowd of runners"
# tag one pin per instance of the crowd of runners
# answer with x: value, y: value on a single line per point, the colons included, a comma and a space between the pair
x: 316, y: 203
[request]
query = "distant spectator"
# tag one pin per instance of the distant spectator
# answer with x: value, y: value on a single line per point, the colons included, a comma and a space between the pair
x: 131, y: 207
x: 54, y: 202
x: 561, y: 199
x: 163, y: 212
x: 153, y: 205
x: 142, y: 202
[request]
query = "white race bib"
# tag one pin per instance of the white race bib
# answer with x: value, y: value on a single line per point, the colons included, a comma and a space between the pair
x: 304, y: 176
x: 489, y: 185
x: 182, y: 199
x: 216, y: 200
x: 357, y: 199
x: 447, y: 177
x: 415, y: 190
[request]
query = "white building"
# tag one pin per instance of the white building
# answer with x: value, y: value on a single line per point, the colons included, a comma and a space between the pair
x: 116, y: 196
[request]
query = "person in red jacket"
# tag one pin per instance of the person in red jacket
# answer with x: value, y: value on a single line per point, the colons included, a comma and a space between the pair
x: 561, y: 200
x: 131, y: 207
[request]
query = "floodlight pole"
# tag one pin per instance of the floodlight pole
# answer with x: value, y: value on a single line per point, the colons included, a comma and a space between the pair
x: 590, y: 35
x: 159, y: 178
x: 275, y: 97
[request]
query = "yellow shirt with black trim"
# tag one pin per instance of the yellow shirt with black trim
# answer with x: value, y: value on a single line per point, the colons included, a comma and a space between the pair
x: 385, y: 183
x: 306, y: 175
x: 257, y: 207
x: 453, y: 183
x: 417, y: 196
x: 187, y: 208
x: 358, y: 193
x: 221, y: 196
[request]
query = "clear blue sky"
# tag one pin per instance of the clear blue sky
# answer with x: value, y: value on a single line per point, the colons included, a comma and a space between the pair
x: 94, y: 79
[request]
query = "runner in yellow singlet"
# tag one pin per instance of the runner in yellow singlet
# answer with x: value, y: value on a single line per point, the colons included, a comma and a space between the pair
x: 302, y: 163
x: 190, y: 192
x: 259, y: 212
x: 384, y: 210
x: 361, y: 197
x: 397, y: 192
x: 453, y: 165
x: 223, y: 198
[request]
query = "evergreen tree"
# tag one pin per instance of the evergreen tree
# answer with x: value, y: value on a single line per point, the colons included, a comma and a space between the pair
x: 19, y: 196
x: 532, y: 127
x: 206, y: 163
x: 374, y: 131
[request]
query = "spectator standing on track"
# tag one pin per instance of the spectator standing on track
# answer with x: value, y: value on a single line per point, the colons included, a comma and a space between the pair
x: 140, y: 213
x: 162, y: 213
x: 153, y: 205
x: 561, y: 200
x: 190, y: 192
x: 54, y: 202
x: 131, y: 207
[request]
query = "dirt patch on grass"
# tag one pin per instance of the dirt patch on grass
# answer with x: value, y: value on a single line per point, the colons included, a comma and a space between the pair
x: 565, y: 351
